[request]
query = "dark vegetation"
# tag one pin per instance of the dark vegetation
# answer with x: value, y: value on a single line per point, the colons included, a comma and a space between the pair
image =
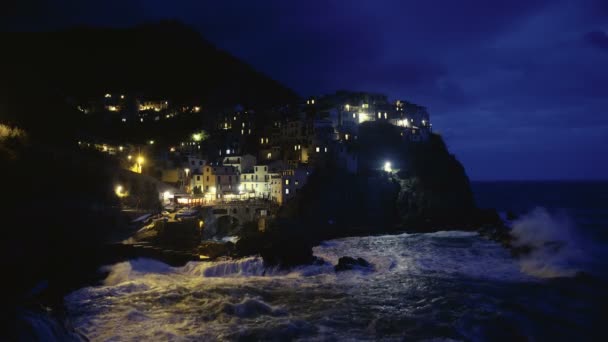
x: 59, y: 209
x: 166, y: 60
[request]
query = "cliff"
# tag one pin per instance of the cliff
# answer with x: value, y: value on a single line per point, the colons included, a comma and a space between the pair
x: 159, y: 61
x: 166, y: 59
x: 427, y: 191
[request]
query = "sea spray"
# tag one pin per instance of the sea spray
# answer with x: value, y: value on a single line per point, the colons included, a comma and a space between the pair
x: 125, y: 271
x: 555, y: 249
x: 416, y: 277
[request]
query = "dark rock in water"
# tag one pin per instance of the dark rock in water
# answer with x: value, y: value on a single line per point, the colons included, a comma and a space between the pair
x: 215, y: 249
x: 511, y: 216
x: 347, y: 263
x: 285, y: 243
x: 499, y: 233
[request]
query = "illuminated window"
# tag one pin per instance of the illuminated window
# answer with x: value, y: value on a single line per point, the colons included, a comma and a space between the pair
x: 379, y: 115
x: 354, y: 115
x: 346, y: 136
x: 261, y: 140
x: 385, y: 115
x: 124, y: 120
x: 228, y: 151
x: 317, y: 149
x: 312, y: 101
x: 326, y: 149
x: 269, y: 155
x: 287, y: 182
x: 286, y: 191
x: 108, y: 95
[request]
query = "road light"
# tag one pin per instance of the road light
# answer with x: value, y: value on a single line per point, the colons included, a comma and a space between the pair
x: 186, y: 170
x: 140, y: 161
x: 387, y: 167
x: 120, y: 191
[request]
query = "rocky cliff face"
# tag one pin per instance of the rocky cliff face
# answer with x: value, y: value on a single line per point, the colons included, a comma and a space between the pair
x: 429, y: 188
x: 434, y: 189
x: 429, y: 191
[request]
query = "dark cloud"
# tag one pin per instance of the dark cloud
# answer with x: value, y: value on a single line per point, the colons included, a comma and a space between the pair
x: 598, y: 39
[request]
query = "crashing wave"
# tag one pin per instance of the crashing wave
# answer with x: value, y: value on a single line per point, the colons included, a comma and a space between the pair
x: 554, y: 247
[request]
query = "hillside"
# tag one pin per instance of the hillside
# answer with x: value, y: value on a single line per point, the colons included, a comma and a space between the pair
x: 165, y: 59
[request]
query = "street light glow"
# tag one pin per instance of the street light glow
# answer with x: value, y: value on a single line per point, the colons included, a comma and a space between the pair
x: 387, y: 167
x: 140, y: 160
x: 120, y: 191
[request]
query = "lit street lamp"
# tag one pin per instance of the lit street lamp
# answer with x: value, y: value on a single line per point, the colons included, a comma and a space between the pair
x: 140, y: 161
x: 186, y: 171
x: 387, y: 167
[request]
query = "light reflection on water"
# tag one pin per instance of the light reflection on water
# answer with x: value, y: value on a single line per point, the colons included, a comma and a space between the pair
x: 443, y: 285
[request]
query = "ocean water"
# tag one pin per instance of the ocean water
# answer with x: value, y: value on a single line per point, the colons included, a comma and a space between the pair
x: 439, y: 286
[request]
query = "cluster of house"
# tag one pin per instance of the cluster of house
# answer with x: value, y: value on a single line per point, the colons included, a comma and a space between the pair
x: 239, y: 178
x: 274, y: 160
x: 133, y: 108
x: 247, y: 154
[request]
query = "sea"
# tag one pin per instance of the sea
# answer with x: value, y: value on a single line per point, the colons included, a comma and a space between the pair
x: 442, y: 286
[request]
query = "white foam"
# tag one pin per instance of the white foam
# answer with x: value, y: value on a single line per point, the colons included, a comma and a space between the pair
x: 556, y: 249
x: 147, y: 300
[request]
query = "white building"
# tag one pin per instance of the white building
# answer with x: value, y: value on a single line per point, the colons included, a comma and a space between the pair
x: 257, y: 183
x: 241, y: 163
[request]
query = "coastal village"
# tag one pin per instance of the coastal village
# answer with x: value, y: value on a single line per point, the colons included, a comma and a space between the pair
x: 238, y: 162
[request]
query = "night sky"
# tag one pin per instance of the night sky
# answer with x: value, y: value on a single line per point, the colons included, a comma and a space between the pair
x: 519, y: 88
